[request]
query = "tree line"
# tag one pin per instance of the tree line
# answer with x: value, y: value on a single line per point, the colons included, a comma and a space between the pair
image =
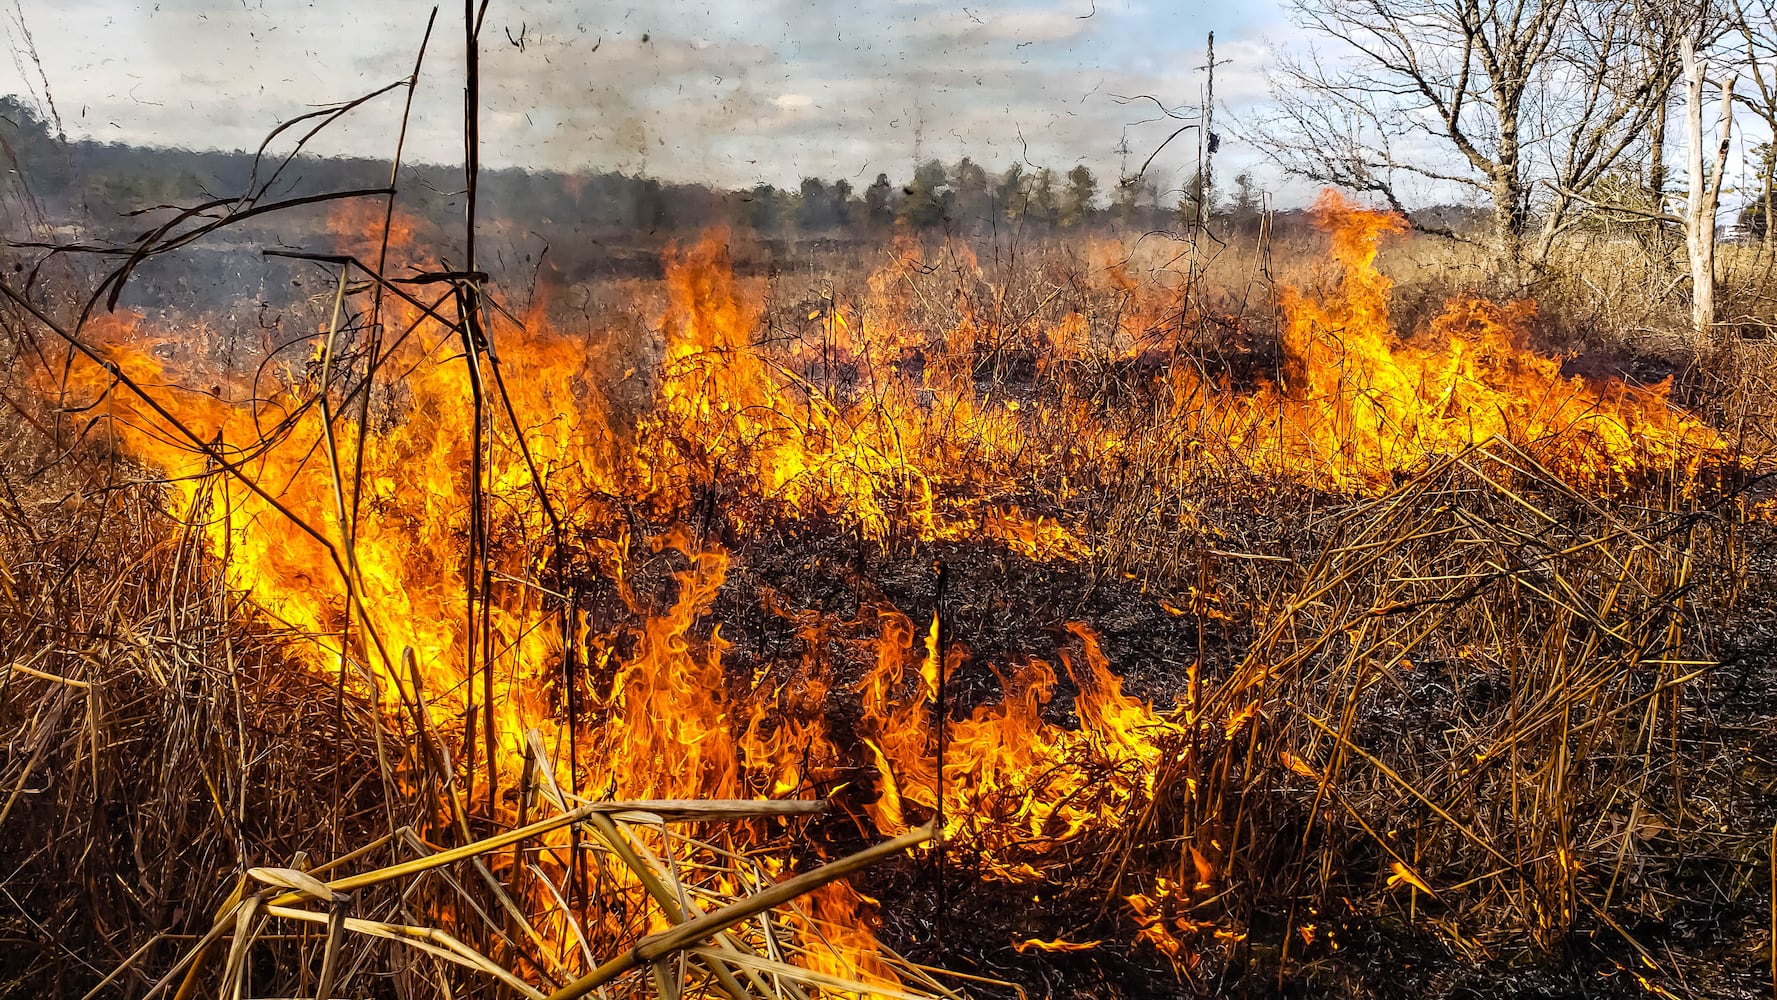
x: 98, y: 182
x: 962, y: 197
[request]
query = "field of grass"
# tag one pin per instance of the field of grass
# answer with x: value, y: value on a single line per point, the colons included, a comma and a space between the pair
x: 1295, y: 613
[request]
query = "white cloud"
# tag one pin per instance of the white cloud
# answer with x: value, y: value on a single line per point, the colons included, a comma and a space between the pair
x: 726, y: 91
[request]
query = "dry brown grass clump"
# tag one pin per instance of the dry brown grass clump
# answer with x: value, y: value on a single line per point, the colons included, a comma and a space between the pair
x: 157, y: 740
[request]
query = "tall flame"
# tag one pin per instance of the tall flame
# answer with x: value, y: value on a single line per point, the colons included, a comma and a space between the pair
x: 1357, y: 404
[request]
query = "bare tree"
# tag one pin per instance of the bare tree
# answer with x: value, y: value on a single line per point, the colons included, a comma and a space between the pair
x: 1703, y: 180
x: 1705, y: 186
x: 1664, y: 25
x: 1606, y: 99
x: 1510, y: 99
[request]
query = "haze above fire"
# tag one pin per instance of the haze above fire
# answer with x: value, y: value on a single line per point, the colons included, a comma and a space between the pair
x: 731, y: 94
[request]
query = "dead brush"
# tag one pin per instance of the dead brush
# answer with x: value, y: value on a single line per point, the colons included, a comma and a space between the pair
x: 1477, y: 706
x: 1480, y: 707
x: 568, y: 901
x: 157, y: 738
x: 174, y: 782
x: 1467, y: 705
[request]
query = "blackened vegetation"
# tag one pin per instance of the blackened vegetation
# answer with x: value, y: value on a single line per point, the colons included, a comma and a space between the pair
x: 1532, y: 715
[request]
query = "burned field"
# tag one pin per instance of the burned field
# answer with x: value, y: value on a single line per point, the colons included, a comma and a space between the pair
x: 1170, y: 649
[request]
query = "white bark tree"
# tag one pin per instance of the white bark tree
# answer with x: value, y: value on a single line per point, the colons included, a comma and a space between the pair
x: 1705, y: 179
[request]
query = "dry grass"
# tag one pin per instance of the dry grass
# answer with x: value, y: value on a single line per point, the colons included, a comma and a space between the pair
x: 172, y: 784
x: 1488, y: 709
x: 1484, y: 712
x: 158, y: 741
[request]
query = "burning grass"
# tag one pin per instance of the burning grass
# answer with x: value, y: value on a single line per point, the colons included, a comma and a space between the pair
x: 1231, y: 664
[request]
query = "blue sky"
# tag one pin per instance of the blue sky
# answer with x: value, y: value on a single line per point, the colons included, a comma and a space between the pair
x: 726, y: 92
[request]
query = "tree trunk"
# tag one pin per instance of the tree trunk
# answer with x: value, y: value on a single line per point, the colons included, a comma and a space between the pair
x: 1656, y: 161
x: 1550, y: 231
x: 1699, y: 246
x: 1769, y: 170
x: 1508, y: 220
x: 1705, y: 188
x: 1509, y: 200
x: 1656, y: 176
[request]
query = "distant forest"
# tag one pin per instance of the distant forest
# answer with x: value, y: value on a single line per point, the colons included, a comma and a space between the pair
x: 579, y: 226
x: 97, y: 183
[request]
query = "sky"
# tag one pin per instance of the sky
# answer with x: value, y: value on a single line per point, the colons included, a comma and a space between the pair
x: 729, y: 92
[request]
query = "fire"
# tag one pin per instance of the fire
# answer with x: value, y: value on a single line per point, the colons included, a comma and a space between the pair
x: 843, y: 918
x: 1162, y: 921
x: 1058, y: 944
x: 903, y: 449
x: 1356, y: 404
x: 1015, y: 786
